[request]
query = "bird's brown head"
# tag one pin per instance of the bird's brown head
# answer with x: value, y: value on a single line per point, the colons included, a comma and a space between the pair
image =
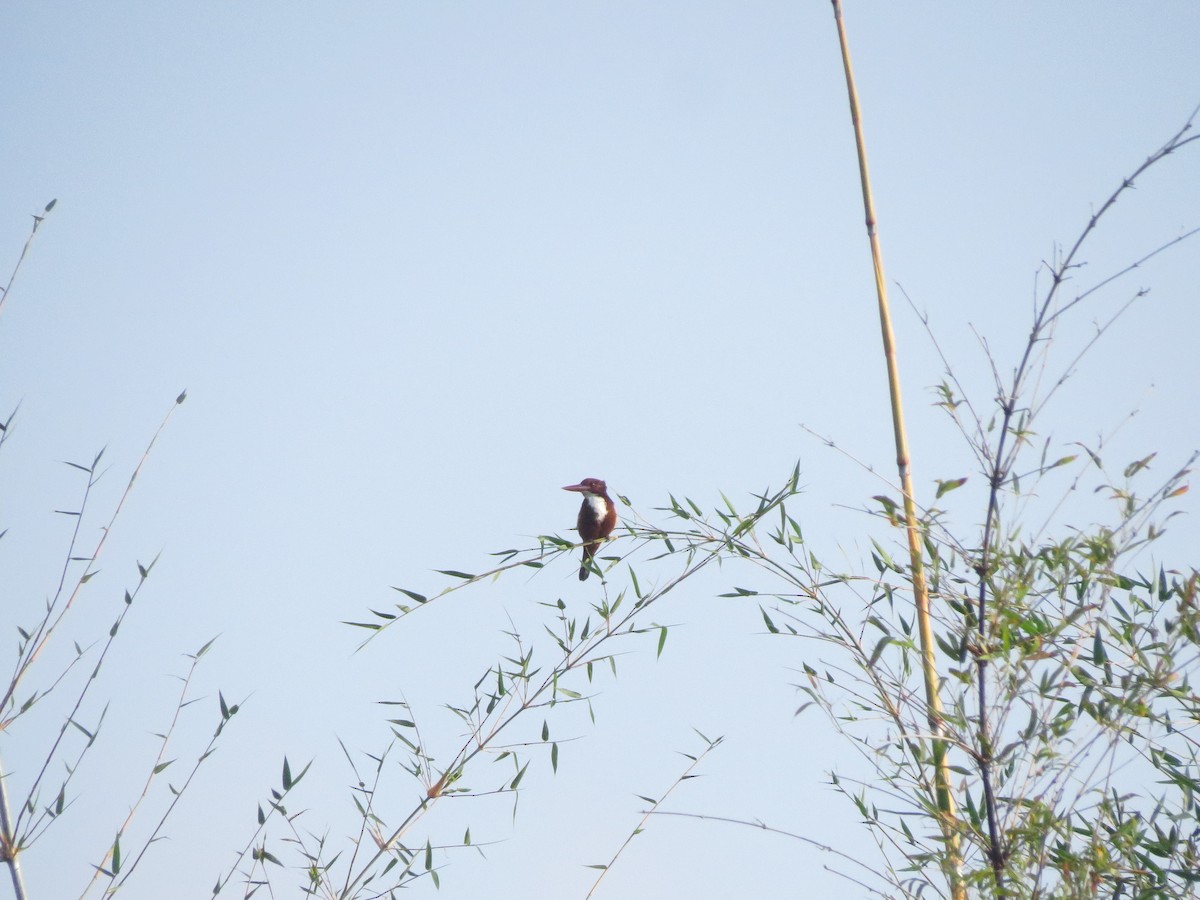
x: 588, y: 486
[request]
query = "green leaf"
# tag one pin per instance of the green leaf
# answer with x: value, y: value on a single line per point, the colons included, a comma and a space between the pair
x: 767, y: 619
x: 951, y: 650
x: 883, y: 559
x: 287, y: 775
x: 182, y: 396
x: 454, y: 573
x: 875, y: 654
x: 945, y: 487
x: 1099, y: 656
x: 298, y: 778
x: 116, y: 855
x: 662, y: 639
x: 412, y: 595
x: 1134, y: 467
x: 889, y: 507
x: 554, y: 756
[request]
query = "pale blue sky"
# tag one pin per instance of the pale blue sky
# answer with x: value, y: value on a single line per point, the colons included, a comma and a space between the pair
x: 420, y: 264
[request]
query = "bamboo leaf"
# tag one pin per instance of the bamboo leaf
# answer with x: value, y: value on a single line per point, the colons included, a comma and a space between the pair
x: 945, y: 487
x: 879, y: 647
x: 412, y: 595
x: 1099, y: 656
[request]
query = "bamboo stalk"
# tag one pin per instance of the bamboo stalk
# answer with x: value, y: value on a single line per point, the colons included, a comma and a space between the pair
x: 948, y: 817
x: 9, y: 851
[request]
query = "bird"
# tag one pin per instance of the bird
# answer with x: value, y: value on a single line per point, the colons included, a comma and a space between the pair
x: 597, y: 518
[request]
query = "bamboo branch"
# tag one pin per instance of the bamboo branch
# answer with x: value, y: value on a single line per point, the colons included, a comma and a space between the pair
x: 8, y: 848
x: 999, y: 471
x: 37, y: 220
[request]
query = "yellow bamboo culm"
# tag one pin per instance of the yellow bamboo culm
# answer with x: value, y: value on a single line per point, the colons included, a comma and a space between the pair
x: 941, y: 776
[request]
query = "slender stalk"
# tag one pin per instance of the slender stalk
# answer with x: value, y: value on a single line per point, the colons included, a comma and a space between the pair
x: 763, y: 826
x: 8, y: 848
x: 37, y: 220
x: 51, y: 620
x: 641, y: 826
x: 160, y: 763
x: 948, y: 818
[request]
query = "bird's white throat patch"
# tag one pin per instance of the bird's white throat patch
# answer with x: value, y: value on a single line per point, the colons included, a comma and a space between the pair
x: 597, y: 505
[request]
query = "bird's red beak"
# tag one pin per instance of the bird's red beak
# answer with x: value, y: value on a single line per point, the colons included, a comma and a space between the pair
x: 575, y: 487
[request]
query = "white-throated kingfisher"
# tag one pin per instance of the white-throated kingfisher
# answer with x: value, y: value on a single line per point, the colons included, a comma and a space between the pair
x: 597, y: 518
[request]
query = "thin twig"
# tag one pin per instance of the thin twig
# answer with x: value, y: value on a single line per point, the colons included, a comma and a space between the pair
x: 763, y: 826
x: 686, y: 774
x: 50, y: 623
x: 37, y: 221
x: 158, y: 766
